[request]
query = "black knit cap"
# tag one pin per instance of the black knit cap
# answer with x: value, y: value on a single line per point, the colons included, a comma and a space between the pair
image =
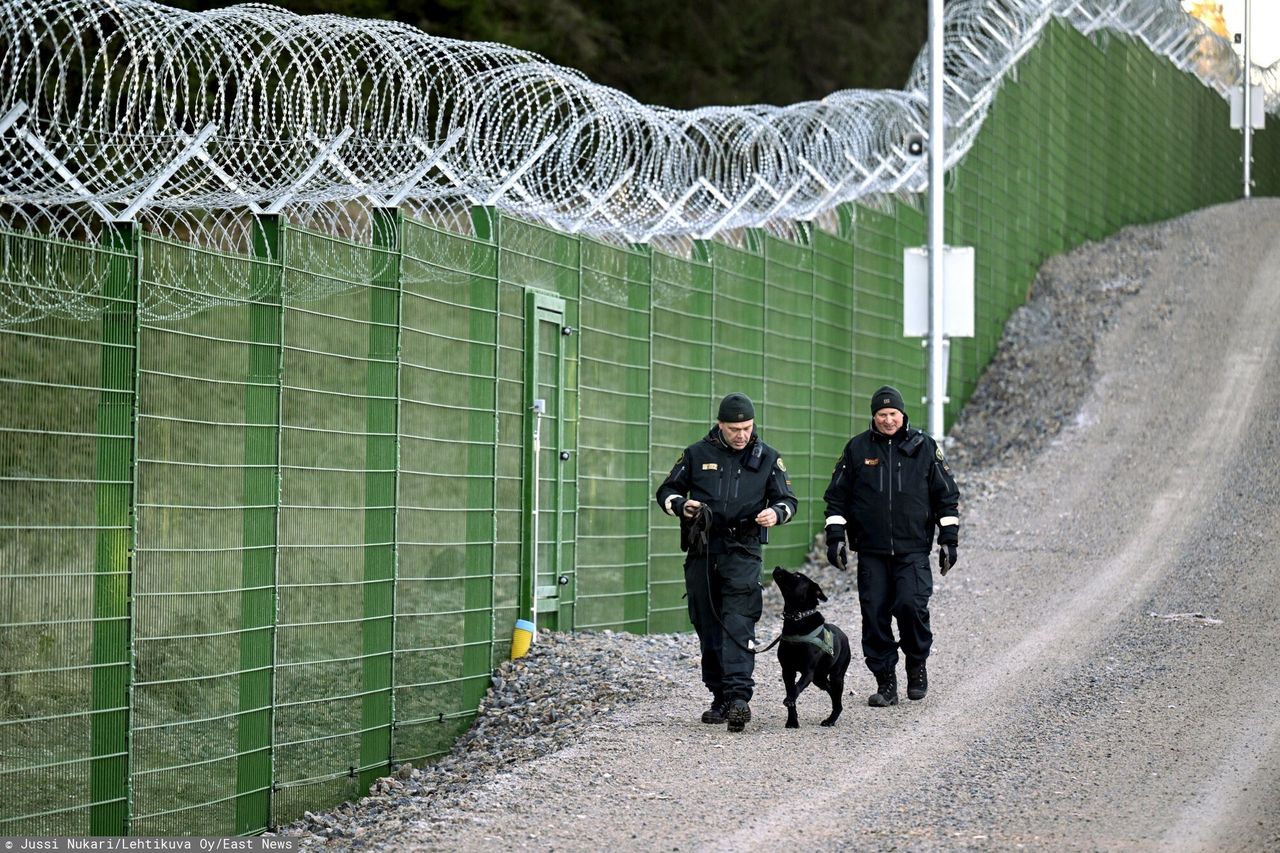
x: 887, y: 397
x: 736, y: 408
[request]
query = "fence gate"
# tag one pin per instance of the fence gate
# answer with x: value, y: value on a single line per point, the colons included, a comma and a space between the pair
x: 547, y: 587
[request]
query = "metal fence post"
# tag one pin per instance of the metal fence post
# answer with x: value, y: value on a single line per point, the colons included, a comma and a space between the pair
x: 258, y: 601
x: 382, y: 464
x: 478, y: 627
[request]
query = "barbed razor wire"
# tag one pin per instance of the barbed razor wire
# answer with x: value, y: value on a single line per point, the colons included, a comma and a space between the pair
x: 193, y: 123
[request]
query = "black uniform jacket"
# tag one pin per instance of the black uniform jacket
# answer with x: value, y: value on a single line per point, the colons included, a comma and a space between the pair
x: 890, y: 492
x: 736, y: 484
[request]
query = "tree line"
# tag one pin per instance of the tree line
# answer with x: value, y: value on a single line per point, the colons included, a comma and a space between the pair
x: 680, y: 54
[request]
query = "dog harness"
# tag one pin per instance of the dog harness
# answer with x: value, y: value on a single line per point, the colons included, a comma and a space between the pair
x: 822, y: 637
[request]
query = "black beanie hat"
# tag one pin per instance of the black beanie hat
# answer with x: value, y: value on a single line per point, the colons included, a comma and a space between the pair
x: 887, y: 397
x: 736, y: 408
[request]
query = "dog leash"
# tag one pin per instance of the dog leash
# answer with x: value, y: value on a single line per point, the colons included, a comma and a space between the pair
x: 699, y: 536
x: 711, y: 603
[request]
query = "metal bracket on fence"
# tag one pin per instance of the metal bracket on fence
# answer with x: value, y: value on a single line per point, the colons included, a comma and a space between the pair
x: 334, y: 144
x: 350, y: 176
x: 669, y: 210
x: 596, y: 202
x: 167, y: 172
x: 1075, y: 9
x: 779, y: 200
x: 874, y: 174
x: 7, y: 120
x: 907, y: 175
x: 447, y: 171
x: 1141, y: 29
x: 817, y: 176
x: 221, y: 174
x: 515, y: 174
x: 433, y: 157
x: 994, y: 33
x: 10, y: 119
x: 1008, y: 23
x: 973, y: 48
x: 832, y: 190
x: 742, y: 202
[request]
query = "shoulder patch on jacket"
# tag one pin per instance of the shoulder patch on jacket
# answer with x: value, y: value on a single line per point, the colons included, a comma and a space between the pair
x: 938, y: 453
x: 781, y: 467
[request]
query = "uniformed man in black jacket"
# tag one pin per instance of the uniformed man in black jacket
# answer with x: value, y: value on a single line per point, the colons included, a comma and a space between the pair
x: 744, y: 484
x: 890, y: 488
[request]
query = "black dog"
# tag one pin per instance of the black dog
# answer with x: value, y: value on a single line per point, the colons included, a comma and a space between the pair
x: 811, y: 647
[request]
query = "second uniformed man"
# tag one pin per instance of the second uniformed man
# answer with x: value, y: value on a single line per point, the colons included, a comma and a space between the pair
x: 890, y: 487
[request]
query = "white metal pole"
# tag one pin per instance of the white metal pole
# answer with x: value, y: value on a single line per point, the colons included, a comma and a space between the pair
x: 937, y: 159
x: 1248, y: 98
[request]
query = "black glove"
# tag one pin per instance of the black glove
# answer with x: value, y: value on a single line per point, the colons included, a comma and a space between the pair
x: 946, y: 558
x: 700, y: 530
x: 837, y: 548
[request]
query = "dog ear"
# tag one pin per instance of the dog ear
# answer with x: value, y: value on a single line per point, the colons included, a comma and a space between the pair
x: 822, y: 596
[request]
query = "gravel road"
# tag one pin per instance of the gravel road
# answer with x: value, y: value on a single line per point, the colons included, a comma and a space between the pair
x: 1102, y: 670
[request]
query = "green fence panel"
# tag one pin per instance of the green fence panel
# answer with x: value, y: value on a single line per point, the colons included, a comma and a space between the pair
x: 787, y: 412
x: 445, y: 585
x: 613, y: 464
x: 203, y: 581
x: 324, y: 593
x: 682, y: 409
x: 834, y: 418
x: 63, y: 482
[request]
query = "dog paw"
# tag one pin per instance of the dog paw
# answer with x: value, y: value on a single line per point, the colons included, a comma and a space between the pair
x: 793, y: 724
x: 827, y: 723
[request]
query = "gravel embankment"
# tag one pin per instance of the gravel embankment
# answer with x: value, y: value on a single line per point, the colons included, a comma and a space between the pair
x: 1099, y: 674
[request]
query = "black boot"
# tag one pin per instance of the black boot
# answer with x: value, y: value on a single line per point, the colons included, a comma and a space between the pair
x: 888, y: 693
x: 917, y: 681
x: 717, y: 713
x: 739, y: 715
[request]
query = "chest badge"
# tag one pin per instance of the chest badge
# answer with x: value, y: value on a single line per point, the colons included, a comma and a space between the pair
x: 710, y: 466
x: 871, y: 463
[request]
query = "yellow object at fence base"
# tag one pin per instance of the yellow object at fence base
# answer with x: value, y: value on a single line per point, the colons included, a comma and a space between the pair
x: 521, y: 639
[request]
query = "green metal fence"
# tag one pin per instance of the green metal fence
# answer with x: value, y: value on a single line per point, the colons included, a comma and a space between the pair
x: 253, y: 557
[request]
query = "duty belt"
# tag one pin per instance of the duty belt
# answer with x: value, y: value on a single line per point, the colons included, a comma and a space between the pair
x: 738, y: 533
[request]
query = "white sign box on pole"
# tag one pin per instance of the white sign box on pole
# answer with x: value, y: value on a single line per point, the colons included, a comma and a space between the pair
x: 957, y: 297
x: 1257, y: 112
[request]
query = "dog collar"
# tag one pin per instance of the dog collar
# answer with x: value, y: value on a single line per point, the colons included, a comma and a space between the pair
x: 798, y: 616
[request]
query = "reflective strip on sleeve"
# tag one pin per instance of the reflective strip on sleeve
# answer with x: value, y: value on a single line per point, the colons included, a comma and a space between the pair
x: 839, y: 519
x: 666, y: 505
x: 948, y: 521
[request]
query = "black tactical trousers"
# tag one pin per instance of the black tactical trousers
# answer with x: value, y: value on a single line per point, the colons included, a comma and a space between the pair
x: 894, y: 587
x: 732, y: 591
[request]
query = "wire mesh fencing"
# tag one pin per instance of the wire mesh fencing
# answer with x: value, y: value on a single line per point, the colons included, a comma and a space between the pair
x: 272, y: 502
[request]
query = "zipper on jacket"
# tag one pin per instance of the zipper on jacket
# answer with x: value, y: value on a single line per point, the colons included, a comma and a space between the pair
x: 889, y: 460
x: 737, y: 478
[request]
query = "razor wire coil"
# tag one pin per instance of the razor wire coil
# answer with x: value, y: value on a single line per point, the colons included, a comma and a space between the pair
x: 191, y: 122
